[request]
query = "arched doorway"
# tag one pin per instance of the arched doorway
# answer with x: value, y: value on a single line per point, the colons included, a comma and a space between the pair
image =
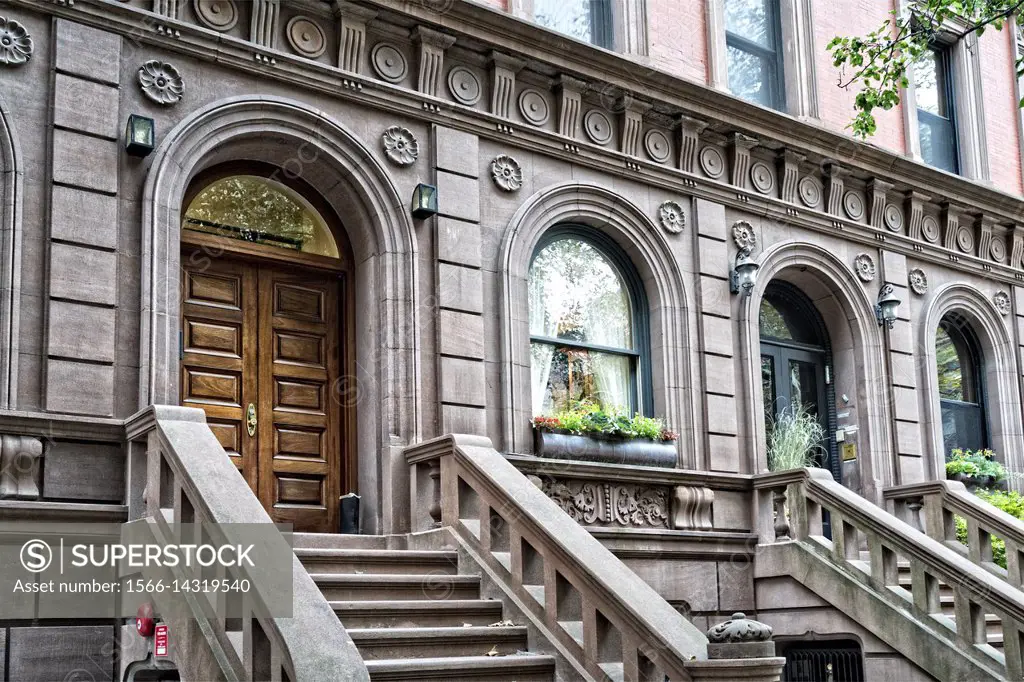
x: 796, y: 362
x: 266, y: 336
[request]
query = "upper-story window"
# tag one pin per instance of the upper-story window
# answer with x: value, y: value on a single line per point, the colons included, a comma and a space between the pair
x: 753, y: 39
x: 587, y: 317
x: 936, y: 118
x: 961, y: 389
x: 588, y: 20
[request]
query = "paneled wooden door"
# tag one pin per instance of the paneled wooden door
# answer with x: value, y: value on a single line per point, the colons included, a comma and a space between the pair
x: 261, y: 353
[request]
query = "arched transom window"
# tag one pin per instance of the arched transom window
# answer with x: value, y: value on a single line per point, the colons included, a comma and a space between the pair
x: 585, y: 338
x: 961, y: 389
x: 260, y: 210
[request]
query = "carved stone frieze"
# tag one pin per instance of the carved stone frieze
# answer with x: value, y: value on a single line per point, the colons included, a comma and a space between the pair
x: 878, y: 198
x: 788, y: 166
x: 712, y: 162
x: 570, y: 92
x: 592, y: 503
x: 20, y: 460
x: 263, y: 23
x: 689, y: 141
x: 1001, y: 300
x: 657, y: 145
x: 464, y: 85
x: 853, y: 205
x: 503, y: 87
x: 400, y: 145
x: 161, y: 82
x: 506, y: 173
x: 740, y: 146
x: 762, y: 177
x: 389, y: 63
x: 810, y: 191
x: 914, y: 204
x: 15, y: 43
x: 597, y: 127
x: 671, y: 217
x: 534, y: 107
x: 432, y: 46
x: 352, y: 20
x: 997, y: 249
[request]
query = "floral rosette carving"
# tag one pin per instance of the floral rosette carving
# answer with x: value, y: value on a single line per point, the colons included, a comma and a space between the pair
x: 918, y: 281
x: 1001, y: 300
x: 865, y: 267
x: 400, y: 145
x: 506, y: 173
x: 161, y: 82
x: 744, y: 237
x: 15, y: 43
x: 671, y: 217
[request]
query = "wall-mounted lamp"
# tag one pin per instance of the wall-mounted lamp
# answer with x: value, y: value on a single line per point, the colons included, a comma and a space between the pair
x: 424, y: 201
x: 140, y: 136
x: 744, y: 273
x: 886, y: 307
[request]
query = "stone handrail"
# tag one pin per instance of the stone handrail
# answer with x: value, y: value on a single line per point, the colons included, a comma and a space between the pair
x: 190, y: 479
x: 932, y: 507
x: 790, y: 509
x: 606, y: 617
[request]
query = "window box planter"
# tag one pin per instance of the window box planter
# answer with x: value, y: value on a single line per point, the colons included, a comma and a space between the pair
x: 603, y: 448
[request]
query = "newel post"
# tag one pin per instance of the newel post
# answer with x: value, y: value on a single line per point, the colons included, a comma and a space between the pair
x: 739, y: 649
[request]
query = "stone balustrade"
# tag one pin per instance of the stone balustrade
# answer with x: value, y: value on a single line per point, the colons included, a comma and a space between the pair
x: 933, y: 507
x: 189, y: 479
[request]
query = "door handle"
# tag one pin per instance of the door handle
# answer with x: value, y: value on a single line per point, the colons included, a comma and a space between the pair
x: 250, y: 419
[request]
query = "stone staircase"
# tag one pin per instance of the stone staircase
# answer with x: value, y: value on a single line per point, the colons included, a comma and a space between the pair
x: 414, y: 616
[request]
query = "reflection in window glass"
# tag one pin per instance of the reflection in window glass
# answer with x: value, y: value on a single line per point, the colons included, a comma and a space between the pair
x: 749, y: 19
x: 936, y: 124
x: 259, y: 210
x: 587, y: 20
x: 960, y: 392
x: 930, y: 83
x: 581, y: 326
x: 752, y: 51
x: 750, y: 76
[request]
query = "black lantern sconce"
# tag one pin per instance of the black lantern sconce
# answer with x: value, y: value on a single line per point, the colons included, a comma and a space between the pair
x: 140, y: 136
x: 886, y: 307
x: 424, y: 201
x: 743, y: 275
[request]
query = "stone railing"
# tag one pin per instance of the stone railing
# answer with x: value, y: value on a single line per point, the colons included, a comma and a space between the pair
x: 189, y: 479
x: 932, y: 508
x: 791, y: 506
x: 610, y: 622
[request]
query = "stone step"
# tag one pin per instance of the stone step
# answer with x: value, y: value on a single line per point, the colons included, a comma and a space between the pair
x: 418, y: 613
x: 364, y: 587
x: 378, y: 561
x: 377, y: 644
x: 338, y: 541
x: 516, y: 668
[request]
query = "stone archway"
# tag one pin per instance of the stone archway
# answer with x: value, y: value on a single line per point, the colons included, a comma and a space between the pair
x: 308, y: 143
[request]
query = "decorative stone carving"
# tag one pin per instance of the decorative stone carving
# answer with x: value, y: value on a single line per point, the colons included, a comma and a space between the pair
x: 918, y: 281
x: 914, y: 206
x: 657, y: 145
x: 161, y: 82
x: 388, y: 62
x: 167, y: 8
x: 929, y: 229
x: 503, y: 83
x: 691, y: 508
x: 432, y: 47
x: 1001, y: 300
x: 864, y: 264
x: 997, y: 249
x: 672, y: 217
x: 689, y: 139
x: 965, y: 240
x: 985, y: 228
x: 892, y: 218
x: 739, y: 628
x: 534, y: 107
x: 853, y: 205
x: 15, y: 43
x: 306, y: 37
x: 951, y: 218
x: 810, y: 191
x: 464, y: 86
x: 263, y: 25
x: 1017, y: 247
x: 219, y: 15
x: 712, y: 162
x: 835, y: 180
x: 592, y: 503
x: 570, y: 91
x: 878, y: 191
x: 761, y: 177
x: 632, y: 124
x: 506, y: 173
x: 352, y: 27
x: 788, y: 166
x: 19, y: 466
x: 597, y: 127
x: 400, y: 145
x: 740, y: 145
x: 743, y: 236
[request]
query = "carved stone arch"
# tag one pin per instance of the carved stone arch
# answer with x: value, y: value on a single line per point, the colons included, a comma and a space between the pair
x: 646, y: 247
x: 11, y: 177
x: 857, y: 351
x: 998, y: 351
x: 306, y: 142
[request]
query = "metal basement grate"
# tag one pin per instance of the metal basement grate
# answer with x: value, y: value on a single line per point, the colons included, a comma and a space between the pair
x: 833, y: 661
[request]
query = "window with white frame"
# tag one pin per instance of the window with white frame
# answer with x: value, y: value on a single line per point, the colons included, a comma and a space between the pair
x: 753, y: 37
x: 934, y: 92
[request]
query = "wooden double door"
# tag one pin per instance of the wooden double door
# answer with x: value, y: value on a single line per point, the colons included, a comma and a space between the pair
x: 262, y: 353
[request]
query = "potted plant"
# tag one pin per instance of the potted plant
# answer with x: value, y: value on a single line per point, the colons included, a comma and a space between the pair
x: 975, y: 468
x: 795, y: 439
x: 589, y: 432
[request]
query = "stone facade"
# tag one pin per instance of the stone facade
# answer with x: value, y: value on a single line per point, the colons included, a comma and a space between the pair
x: 519, y: 134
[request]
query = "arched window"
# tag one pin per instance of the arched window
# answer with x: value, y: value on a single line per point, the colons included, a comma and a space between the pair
x: 588, y: 336
x: 260, y: 210
x: 961, y: 388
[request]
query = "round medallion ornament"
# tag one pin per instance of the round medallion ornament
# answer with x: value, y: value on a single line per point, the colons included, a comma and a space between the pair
x: 965, y: 240
x: 671, y: 217
x: 853, y: 204
x: 712, y: 162
x: 743, y: 236
x: 15, y: 43
x: 918, y: 281
x: 506, y: 173
x: 809, y: 189
x: 892, y: 216
x: 220, y: 15
x: 400, y: 145
x: 161, y: 82
x: 306, y: 37
x: 657, y: 145
x: 464, y: 86
x: 534, y: 107
x: 1001, y: 300
x: 997, y: 249
x: 388, y: 62
x: 930, y: 229
x: 597, y: 127
x: 865, y: 267
x: 761, y: 177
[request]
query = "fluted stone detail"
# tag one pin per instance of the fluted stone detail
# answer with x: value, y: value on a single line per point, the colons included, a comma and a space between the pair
x: 263, y: 26
x: 432, y: 48
x: 503, y: 82
x: 915, y: 211
x: 740, y: 145
x: 20, y: 459
x: 352, y: 25
x: 632, y: 125
x: 689, y: 142
x: 570, y: 102
x: 878, y: 191
x: 951, y: 224
x: 834, y: 184
x: 787, y: 165
x: 691, y: 508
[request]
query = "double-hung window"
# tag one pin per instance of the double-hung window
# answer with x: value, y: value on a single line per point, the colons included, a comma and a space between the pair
x: 588, y: 20
x: 753, y: 39
x: 936, y: 118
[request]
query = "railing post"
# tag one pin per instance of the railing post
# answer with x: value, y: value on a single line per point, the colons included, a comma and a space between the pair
x: 434, y: 474
x: 782, y: 529
x: 914, y: 505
